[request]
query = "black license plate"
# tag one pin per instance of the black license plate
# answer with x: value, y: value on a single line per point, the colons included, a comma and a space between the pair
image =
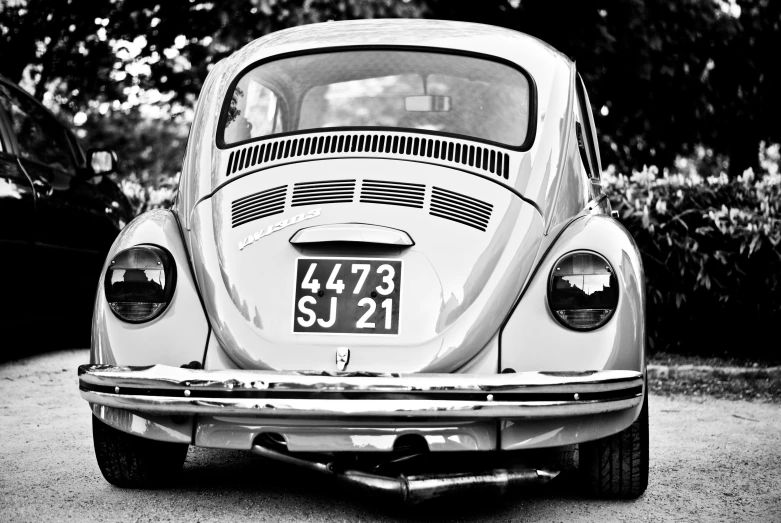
x: 347, y: 296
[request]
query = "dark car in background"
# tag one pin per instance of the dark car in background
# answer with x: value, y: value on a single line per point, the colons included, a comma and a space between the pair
x: 59, y: 214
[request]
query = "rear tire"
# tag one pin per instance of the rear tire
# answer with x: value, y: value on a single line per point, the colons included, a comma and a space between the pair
x: 616, y: 467
x: 133, y: 462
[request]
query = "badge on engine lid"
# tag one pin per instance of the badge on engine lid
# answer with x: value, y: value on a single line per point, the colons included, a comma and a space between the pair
x: 342, y: 357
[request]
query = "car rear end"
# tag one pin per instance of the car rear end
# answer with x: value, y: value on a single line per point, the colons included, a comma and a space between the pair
x: 360, y: 233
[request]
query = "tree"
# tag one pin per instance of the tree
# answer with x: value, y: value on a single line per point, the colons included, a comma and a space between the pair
x: 175, y: 41
x: 746, y: 82
x: 128, y: 55
x: 54, y: 42
x: 664, y: 77
x: 643, y: 62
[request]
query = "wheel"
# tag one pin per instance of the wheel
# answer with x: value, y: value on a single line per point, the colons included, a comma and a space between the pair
x: 617, y: 466
x: 134, y: 462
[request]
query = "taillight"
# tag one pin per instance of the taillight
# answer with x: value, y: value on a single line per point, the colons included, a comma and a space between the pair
x: 140, y: 283
x: 582, y: 291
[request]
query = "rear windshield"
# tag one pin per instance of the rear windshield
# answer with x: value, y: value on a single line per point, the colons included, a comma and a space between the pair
x: 426, y: 91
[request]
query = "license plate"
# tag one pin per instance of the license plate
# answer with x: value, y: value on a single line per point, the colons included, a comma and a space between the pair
x: 347, y: 296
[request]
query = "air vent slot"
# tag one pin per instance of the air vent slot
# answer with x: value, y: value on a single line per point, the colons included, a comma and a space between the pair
x: 460, y: 208
x: 487, y: 159
x: 393, y: 193
x: 258, y: 205
x: 319, y: 193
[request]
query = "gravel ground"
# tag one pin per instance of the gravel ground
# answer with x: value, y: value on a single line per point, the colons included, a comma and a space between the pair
x: 712, y: 459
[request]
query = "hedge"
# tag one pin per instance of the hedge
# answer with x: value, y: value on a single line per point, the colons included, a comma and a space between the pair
x: 711, y: 249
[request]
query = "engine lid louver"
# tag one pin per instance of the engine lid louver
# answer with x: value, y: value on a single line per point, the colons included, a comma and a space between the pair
x: 484, y: 158
x: 258, y: 205
x: 393, y: 193
x: 460, y: 208
x: 318, y: 193
x: 444, y: 203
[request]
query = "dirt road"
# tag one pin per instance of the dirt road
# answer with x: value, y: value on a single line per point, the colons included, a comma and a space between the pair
x: 711, y: 460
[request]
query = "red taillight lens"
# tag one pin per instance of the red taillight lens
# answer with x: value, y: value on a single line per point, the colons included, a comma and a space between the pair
x: 582, y: 291
x: 140, y: 283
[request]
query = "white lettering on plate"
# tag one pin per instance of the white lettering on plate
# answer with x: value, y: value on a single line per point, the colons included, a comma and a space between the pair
x: 314, y: 213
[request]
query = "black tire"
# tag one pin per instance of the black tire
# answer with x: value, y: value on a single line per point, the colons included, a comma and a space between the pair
x: 133, y: 462
x: 616, y: 467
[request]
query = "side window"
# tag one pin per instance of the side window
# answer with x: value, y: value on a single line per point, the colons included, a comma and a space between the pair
x: 40, y: 137
x: 580, y: 136
x: 588, y: 130
x: 5, y: 145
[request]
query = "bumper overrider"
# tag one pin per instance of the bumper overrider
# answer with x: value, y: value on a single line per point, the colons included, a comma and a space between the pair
x: 160, y: 389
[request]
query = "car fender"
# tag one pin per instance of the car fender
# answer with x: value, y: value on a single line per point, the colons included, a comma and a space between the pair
x: 180, y: 334
x: 531, y: 337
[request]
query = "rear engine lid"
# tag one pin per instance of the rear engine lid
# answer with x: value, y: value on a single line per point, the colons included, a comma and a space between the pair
x: 396, y: 266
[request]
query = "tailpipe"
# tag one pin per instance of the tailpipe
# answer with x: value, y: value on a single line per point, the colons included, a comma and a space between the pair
x: 423, y: 487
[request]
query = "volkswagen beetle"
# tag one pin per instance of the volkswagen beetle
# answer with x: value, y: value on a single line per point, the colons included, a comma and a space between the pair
x: 390, y: 260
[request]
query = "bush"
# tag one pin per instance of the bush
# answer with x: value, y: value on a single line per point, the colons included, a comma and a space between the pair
x: 712, y: 256
x: 146, y: 197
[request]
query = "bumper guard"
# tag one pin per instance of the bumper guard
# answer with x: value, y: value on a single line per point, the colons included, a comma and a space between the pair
x: 161, y: 389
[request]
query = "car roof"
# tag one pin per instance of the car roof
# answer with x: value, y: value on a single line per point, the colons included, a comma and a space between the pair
x: 516, y: 47
x: 536, y: 171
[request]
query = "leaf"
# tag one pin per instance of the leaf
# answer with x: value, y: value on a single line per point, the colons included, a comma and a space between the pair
x: 756, y: 243
x: 679, y: 298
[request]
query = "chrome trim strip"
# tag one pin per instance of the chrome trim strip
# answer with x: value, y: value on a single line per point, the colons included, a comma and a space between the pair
x: 339, y: 409
x: 164, y: 376
x: 594, y: 203
x: 168, y: 390
x: 352, y: 232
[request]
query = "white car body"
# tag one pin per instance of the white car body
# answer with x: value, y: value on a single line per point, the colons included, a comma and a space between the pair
x: 476, y: 227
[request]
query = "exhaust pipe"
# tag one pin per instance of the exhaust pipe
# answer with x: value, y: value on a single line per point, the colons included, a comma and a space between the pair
x: 422, y: 487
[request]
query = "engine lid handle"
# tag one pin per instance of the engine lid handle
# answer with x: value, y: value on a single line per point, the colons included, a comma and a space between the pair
x: 352, y: 233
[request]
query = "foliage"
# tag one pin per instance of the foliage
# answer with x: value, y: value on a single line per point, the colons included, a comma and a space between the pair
x: 145, y: 197
x: 150, y: 150
x: 122, y: 47
x: 128, y: 74
x: 744, y: 92
x: 664, y: 76
x: 711, y: 248
x: 55, y: 41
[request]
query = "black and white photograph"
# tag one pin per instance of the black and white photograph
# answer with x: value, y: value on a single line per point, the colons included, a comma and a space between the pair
x: 390, y: 260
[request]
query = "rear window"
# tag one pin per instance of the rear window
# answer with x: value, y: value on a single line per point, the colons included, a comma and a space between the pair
x: 407, y: 90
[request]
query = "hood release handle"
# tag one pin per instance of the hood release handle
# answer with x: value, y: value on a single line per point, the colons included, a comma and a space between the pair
x: 352, y: 233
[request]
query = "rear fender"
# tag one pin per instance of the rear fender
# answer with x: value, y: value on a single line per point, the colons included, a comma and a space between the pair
x: 179, y: 335
x: 533, y: 340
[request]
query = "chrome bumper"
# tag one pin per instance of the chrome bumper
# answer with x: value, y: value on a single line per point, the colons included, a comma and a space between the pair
x: 160, y: 389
